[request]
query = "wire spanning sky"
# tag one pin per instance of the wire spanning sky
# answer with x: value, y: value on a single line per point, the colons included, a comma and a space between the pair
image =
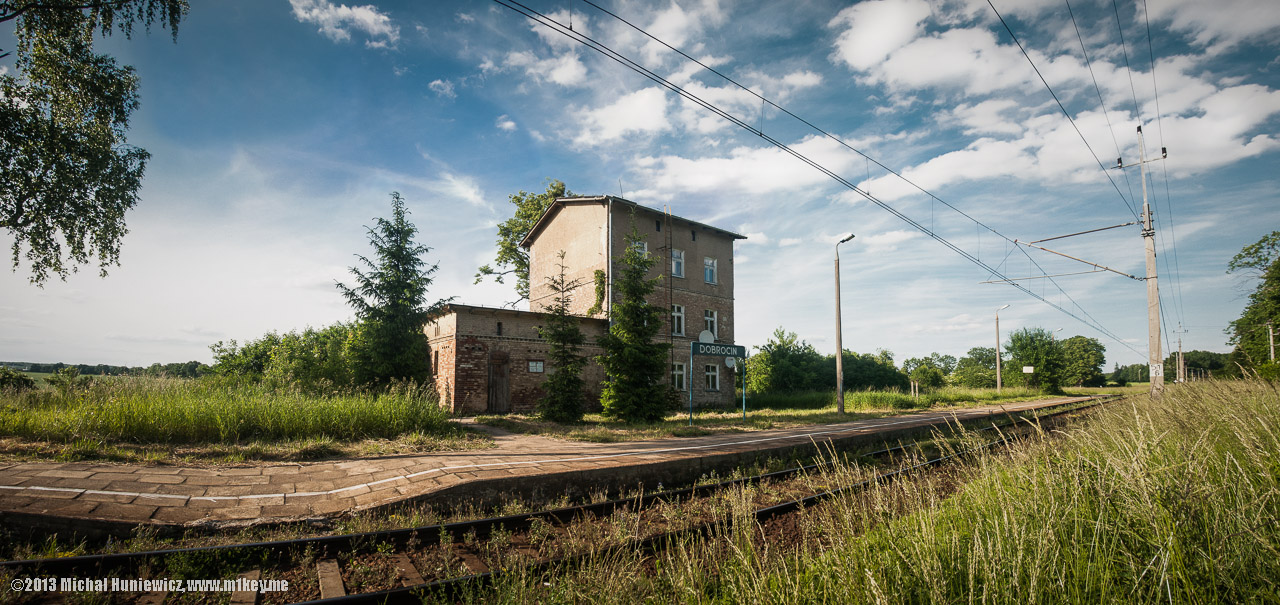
x: 278, y: 129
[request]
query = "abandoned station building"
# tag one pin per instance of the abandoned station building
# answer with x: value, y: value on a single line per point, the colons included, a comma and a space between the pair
x: 488, y: 360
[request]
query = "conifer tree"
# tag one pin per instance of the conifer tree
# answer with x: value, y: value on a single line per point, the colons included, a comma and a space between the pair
x: 635, y: 366
x: 389, y: 299
x: 563, y: 389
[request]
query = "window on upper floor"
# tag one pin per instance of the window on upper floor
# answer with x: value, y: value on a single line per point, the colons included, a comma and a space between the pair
x: 642, y: 246
x: 709, y: 322
x: 709, y: 270
x: 657, y: 224
x: 677, y: 263
x: 677, y: 320
x: 693, y: 235
x: 536, y: 367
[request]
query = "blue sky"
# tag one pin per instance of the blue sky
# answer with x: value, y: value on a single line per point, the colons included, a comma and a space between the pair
x: 278, y: 130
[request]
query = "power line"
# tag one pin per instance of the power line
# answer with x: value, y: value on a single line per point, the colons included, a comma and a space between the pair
x: 1164, y: 171
x: 1063, y: 108
x: 632, y: 65
x: 1101, y: 103
x: 841, y: 142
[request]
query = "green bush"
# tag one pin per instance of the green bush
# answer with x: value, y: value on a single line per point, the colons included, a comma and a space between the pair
x: 15, y: 381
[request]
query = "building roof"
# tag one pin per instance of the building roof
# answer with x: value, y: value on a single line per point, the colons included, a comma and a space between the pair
x: 555, y: 207
x: 459, y: 308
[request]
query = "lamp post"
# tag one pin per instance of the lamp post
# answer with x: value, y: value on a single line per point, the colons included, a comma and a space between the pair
x: 999, y: 383
x: 839, y: 344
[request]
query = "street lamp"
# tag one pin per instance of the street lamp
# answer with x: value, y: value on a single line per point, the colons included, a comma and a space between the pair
x: 839, y: 344
x: 999, y: 384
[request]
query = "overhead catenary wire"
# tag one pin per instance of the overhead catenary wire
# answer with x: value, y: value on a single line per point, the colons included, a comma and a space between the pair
x: 1164, y: 171
x: 1101, y: 103
x: 1137, y: 109
x: 613, y: 55
x: 1101, y: 167
x: 933, y: 198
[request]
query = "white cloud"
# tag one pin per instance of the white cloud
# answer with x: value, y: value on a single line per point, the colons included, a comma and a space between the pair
x: 461, y: 187
x: 753, y: 170
x: 888, y: 241
x: 677, y: 25
x: 1220, y: 24
x: 641, y: 112
x: 442, y: 88
x: 790, y: 241
x: 875, y: 29
x: 504, y: 122
x: 565, y: 69
x: 988, y: 117
x: 337, y: 21
x: 1050, y: 152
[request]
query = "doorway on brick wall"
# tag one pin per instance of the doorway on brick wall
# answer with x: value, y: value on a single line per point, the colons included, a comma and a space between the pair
x: 499, y: 383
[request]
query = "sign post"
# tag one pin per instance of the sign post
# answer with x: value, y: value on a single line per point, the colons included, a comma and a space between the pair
x: 715, y: 350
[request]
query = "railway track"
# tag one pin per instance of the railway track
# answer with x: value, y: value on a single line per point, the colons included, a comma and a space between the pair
x: 446, y: 560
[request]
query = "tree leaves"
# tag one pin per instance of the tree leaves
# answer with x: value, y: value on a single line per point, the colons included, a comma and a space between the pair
x: 511, y: 258
x: 389, y: 297
x: 67, y: 173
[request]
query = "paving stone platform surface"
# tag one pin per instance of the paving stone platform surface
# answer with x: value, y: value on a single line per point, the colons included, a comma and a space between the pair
x: 235, y: 495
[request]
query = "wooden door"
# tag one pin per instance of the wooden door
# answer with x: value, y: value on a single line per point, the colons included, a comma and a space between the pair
x: 499, y: 383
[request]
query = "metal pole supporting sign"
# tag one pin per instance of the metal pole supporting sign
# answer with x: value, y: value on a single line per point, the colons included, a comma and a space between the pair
x: 706, y: 345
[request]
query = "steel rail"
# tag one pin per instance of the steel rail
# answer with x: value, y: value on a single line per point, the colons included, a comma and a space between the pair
x: 101, y: 565
x: 450, y: 590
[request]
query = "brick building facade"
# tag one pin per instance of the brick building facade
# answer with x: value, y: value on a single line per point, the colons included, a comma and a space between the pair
x: 487, y: 360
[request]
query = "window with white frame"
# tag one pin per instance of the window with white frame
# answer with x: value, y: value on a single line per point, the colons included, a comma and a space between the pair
x: 642, y: 246
x: 536, y: 367
x: 677, y: 263
x: 677, y: 320
x: 712, y: 374
x: 677, y: 376
x: 709, y: 322
x: 709, y: 270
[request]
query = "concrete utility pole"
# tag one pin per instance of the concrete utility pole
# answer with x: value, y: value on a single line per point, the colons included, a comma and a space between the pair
x: 1155, y: 357
x: 999, y: 383
x: 1271, y: 338
x: 1182, y: 364
x: 839, y: 344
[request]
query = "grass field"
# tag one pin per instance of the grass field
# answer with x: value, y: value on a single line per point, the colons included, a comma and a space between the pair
x: 772, y: 412
x: 1175, y: 500
x: 220, y: 419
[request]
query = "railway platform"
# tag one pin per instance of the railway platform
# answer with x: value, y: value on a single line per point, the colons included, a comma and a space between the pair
x: 96, y: 499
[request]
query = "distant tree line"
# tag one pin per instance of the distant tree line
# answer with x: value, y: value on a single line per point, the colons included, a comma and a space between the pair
x: 788, y: 364
x: 189, y: 369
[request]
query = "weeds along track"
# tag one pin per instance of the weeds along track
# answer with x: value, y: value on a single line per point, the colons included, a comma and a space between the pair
x: 449, y: 561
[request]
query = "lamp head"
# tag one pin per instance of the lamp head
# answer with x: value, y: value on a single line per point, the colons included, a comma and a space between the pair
x: 847, y: 238
x: 1002, y: 308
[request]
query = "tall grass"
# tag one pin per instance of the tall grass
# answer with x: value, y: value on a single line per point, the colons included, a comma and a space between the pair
x: 213, y: 410
x: 1175, y: 500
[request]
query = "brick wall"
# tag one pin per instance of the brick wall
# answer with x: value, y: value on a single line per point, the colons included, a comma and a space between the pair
x: 469, y: 343
x: 580, y: 229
